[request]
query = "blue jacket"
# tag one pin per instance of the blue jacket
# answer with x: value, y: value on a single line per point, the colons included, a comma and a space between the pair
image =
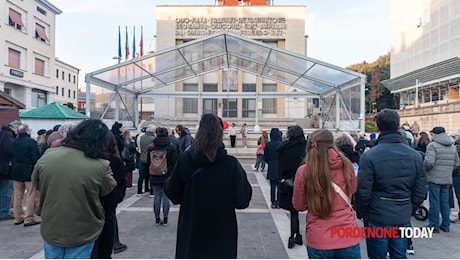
x: 391, y: 181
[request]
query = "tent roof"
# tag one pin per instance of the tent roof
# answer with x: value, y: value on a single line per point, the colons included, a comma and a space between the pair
x: 52, y: 111
x: 427, y: 74
x: 223, y: 50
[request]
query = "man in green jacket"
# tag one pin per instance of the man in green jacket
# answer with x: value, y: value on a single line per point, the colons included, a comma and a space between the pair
x: 70, y: 180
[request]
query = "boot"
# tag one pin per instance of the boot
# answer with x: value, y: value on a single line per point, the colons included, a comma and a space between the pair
x: 298, y: 239
x: 291, y: 242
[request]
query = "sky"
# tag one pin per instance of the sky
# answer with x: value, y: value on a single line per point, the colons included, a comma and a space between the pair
x: 339, y: 32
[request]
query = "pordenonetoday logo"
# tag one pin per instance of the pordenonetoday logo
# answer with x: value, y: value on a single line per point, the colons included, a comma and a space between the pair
x: 382, y: 232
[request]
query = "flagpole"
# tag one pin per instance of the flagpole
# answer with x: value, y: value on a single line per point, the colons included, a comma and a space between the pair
x: 141, y: 53
x: 117, y: 100
x: 134, y: 68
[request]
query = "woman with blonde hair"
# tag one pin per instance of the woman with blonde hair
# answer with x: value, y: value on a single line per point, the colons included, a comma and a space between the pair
x: 324, y: 186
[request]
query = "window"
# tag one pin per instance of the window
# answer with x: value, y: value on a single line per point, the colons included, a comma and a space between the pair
x: 57, y: 90
x: 69, y: 77
x: 230, y: 107
x: 74, y: 79
x: 68, y: 95
x: 62, y: 92
x: 63, y: 75
x: 15, y: 19
x: 40, y: 33
x: 39, y: 67
x: 57, y: 73
x: 190, y: 104
x: 209, y: 87
x: 7, y: 91
x: 74, y: 94
x: 249, y: 108
x: 269, y: 104
x: 13, y: 58
x: 40, y: 10
x: 38, y: 98
x: 230, y: 81
x: 249, y: 87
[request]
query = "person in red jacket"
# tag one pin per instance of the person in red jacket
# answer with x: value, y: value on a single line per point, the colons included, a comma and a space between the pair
x: 324, y: 168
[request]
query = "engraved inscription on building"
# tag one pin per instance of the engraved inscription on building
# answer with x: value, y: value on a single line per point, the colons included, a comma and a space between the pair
x: 271, y: 28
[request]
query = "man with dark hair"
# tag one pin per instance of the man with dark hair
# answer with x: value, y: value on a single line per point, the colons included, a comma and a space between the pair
x: 7, y: 136
x: 441, y: 159
x: 25, y: 155
x: 391, y: 184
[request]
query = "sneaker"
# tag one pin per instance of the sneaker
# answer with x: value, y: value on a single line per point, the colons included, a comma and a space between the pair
x: 273, y: 206
x: 298, y: 239
x: 410, y: 250
x: 32, y: 223
x: 158, y: 221
x: 165, y: 221
x: 254, y: 168
x: 119, y: 247
x: 444, y: 230
x: 139, y: 194
x: 19, y: 223
x: 150, y: 195
x: 455, y: 221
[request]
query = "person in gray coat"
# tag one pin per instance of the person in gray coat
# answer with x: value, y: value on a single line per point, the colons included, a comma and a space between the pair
x: 441, y: 160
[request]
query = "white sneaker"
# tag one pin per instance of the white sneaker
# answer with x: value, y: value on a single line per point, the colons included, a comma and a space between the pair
x: 254, y: 168
x: 150, y: 195
x: 410, y: 250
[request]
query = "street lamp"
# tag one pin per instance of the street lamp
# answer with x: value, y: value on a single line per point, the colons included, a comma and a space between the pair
x: 117, y: 100
x: 372, y: 107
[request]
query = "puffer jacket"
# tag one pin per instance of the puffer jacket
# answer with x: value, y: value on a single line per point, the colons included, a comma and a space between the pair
x: 391, y: 181
x: 441, y: 159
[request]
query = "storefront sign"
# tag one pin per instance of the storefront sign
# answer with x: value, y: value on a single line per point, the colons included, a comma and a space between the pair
x: 274, y: 28
x: 16, y: 73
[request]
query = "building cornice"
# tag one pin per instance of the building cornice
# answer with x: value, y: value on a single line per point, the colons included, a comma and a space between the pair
x: 67, y: 64
x: 50, y: 6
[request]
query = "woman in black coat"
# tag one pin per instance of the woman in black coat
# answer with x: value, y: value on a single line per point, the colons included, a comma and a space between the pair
x: 209, y: 185
x: 291, y: 154
x: 103, y: 246
x: 271, y: 157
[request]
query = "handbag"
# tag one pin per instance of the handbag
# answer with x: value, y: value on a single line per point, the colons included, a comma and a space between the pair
x: 287, y: 185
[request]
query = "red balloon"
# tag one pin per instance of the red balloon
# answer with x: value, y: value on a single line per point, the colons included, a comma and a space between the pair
x: 225, y: 125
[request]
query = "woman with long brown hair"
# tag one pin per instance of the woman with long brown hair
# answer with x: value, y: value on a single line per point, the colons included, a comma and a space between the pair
x: 324, y: 186
x: 209, y: 185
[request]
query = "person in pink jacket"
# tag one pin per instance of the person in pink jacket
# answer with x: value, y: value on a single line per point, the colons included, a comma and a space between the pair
x: 329, y: 214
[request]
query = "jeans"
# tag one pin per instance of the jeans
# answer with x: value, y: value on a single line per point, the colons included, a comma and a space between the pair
x: 439, y: 201
x: 377, y: 248
x: 456, y: 183
x: 143, y: 176
x: 6, y: 194
x: 352, y: 252
x: 260, y: 161
x: 275, y: 192
x: 77, y: 252
x: 159, y: 196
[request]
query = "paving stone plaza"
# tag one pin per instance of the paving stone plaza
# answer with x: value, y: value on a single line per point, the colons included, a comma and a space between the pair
x: 263, y: 232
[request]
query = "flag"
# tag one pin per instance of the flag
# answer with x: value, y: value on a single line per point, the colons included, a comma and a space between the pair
x: 134, y: 42
x: 141, y: 44
x: 127, y: 46
x: 119, y: 43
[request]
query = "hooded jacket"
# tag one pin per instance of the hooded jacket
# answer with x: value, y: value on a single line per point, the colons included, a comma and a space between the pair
x: 207, y: 226
x: 441, y: 159
x: 185, y: 140
x: 318, y: 231
x: 270, y: 154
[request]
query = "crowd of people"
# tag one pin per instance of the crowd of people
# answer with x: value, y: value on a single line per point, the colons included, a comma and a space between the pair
x: 75, y: 176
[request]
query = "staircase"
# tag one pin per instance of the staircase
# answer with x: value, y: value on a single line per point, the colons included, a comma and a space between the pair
x: 239, y: 152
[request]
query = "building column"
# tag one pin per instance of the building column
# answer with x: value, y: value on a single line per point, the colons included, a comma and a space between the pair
x: 2, y: 86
